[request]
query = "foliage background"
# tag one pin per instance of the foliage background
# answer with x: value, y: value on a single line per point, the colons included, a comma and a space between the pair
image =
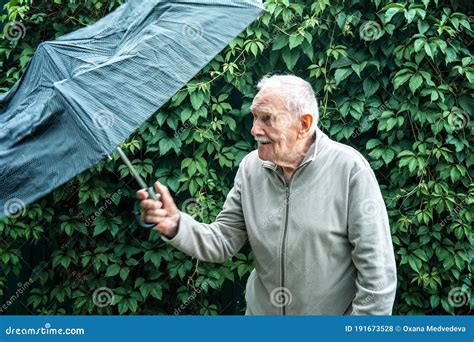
x: 393, y: 80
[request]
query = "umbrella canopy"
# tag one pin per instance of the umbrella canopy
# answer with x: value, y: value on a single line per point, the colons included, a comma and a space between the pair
x: 86, y: 92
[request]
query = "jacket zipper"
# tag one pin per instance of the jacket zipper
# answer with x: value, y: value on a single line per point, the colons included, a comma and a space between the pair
x: 285, y: 230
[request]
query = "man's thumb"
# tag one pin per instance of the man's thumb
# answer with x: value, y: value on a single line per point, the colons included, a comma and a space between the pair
x: 166, y: 198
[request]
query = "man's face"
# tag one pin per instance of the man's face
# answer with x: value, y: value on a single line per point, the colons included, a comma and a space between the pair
x: 274, y: 127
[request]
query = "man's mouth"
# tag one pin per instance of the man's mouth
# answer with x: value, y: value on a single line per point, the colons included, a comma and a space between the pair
x: 263, y: 141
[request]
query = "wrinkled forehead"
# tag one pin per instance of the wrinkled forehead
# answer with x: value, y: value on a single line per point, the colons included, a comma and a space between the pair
x: 269, y: 100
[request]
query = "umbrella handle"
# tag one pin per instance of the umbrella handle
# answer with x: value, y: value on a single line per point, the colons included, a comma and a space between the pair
x: 152, y: 193
x: 141, y: 182
x: 137, y: 176
x: 138, y: 217
x: 143, y: 224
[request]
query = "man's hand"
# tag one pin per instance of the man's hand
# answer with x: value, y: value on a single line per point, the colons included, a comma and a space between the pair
x: 163, y: 212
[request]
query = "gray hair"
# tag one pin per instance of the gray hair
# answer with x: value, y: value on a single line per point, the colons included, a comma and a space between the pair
x: 299, y: 94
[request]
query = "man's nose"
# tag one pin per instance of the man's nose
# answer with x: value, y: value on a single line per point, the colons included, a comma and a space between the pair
x: 256, y: 129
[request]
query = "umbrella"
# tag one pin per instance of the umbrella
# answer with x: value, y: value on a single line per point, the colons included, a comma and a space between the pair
x: 84, y: 93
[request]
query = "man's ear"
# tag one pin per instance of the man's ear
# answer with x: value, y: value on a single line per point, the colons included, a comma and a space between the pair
x: 306, y: 123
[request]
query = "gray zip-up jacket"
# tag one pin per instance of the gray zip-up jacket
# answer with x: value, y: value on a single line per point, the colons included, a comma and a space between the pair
x: 321, y: 241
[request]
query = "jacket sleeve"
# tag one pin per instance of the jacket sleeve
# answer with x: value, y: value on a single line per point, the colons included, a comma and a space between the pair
x: 372, y: 249
x: 218, y: 241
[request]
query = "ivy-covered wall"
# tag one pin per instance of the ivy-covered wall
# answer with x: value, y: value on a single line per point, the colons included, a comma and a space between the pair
x: 393, y: 80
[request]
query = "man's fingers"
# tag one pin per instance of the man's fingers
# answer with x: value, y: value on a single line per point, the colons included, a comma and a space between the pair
x: 161, y: 222
x: 142, y: 194
x: 164, y: 226
x: 151, y: 204
x: 157, y: 212
x: 152, y: 219
x: 162, y: 213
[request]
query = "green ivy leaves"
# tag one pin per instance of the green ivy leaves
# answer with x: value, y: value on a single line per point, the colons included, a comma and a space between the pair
x: 401, y: 95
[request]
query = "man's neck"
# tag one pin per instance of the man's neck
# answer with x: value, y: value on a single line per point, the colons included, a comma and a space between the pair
x: 289, y: 170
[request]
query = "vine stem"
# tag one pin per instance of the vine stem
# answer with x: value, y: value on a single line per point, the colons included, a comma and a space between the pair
x: 326, y: 94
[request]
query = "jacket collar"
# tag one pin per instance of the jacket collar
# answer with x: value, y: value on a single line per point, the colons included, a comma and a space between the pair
x: 310, y: 154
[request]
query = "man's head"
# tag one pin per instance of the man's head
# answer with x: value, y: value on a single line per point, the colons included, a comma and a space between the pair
x: 285, y: 117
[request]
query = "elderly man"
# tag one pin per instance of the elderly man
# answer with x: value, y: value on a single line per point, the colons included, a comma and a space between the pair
x: 310, y: 207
